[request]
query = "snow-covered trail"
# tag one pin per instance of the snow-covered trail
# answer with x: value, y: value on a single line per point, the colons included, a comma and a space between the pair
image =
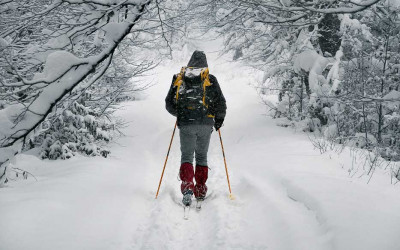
x: 288, y: 196
x: 262, y: 216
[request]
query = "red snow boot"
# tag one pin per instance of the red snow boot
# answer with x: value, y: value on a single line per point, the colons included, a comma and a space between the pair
x: 201, y: 175
x: 186, y: 174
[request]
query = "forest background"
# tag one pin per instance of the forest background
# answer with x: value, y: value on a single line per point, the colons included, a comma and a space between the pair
x: 330, y: 67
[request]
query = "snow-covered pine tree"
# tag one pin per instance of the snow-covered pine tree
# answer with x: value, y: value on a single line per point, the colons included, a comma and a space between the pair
x: 78, y: 129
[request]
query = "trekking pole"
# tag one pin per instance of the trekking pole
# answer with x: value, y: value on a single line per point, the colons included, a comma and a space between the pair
x: 226, y: 168
x: 166, y: 159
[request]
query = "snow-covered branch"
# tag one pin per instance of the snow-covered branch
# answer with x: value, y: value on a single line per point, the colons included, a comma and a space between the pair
x: 62, y: 70
x: 340, y: 7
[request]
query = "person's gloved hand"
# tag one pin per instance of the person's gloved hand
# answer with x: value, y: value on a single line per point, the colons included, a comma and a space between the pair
x: 218, y: 123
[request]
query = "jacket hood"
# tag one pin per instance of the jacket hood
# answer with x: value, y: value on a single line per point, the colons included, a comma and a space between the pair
x: 198, y: 60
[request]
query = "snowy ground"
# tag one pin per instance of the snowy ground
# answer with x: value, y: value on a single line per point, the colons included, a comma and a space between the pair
x: 288, y: 196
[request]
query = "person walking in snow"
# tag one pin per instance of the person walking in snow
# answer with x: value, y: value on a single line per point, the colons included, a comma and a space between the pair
x: 196, y: 99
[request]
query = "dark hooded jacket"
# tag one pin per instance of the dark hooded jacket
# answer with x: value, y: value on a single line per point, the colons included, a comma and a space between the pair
x: 213, y: 97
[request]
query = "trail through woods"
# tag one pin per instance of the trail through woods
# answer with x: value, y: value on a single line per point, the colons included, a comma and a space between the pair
x: 288, y: 196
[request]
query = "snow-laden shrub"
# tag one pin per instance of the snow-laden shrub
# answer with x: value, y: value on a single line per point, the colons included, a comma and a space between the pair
x: 351, y: 94
x: 361, y: 140
x: 79, y: 129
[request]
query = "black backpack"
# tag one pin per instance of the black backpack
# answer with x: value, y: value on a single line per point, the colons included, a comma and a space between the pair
x: 191, y: 95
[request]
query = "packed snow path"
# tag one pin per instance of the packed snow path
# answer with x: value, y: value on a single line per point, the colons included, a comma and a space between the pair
x: 288, y: 196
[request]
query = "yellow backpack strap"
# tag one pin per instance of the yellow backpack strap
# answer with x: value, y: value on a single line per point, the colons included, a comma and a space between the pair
x: 178, y: 82
x: 206, y: 83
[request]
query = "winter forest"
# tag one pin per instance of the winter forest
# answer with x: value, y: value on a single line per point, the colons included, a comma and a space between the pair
x: 311, y: 136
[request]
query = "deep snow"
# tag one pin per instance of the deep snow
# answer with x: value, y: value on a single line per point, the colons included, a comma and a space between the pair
x: 288, y: 196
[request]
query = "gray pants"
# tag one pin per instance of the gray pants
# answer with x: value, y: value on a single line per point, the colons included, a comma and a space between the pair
x: 195, y: 139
